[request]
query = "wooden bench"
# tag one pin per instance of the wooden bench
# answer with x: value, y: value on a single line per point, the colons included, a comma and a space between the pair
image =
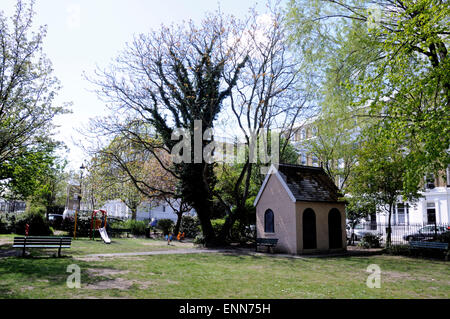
x: 42, y: 242
x: 268, y: 242
x: 429, y: 245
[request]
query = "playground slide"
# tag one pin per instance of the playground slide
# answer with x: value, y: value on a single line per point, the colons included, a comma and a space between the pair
x: 104, y: 235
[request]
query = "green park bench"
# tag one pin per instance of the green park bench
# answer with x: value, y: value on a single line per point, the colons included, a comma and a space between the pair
x: 43, y: 242
x: 429, y: 245
x: 268, y: 242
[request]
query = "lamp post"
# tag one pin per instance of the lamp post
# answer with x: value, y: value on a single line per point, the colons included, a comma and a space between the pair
x: 82, y: 168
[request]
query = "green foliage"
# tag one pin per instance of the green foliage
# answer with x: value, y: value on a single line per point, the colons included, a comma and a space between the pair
x: 3, y: 226
x: 27, y: 91
x: 165, y: 225
x: 398, y: 250
x: 389, y: 58
x: 239, y: 233
x: 199, y: 240
x: 370, y: 241
x: 38, y: 225
x: 444, y: 237
x: 8, y: 222
x: 217, y: 224
x: 136, y: 227
x: 190, y: 226
x: 378, y: 179
x: 359, y: 206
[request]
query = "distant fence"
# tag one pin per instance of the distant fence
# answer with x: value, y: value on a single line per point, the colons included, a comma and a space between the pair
x: 400, y: 234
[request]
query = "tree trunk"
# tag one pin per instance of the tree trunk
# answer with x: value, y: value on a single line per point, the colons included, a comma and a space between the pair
x: 133, y: 213
x: 389, y: 230
x: 178, y: 224
x: 204, y: 217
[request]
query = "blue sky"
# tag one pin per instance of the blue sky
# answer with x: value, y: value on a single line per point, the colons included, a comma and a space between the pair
x: 84, y: 34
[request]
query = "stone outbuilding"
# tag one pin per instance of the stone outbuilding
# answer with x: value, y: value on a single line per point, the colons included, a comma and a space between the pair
x: 300, y: 206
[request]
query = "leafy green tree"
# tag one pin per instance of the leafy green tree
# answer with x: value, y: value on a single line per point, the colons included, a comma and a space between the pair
x: 29, y: 174
x: 27, y: 91
x: 52, y: 190
x: 392, y: 55
x: 378, y: 176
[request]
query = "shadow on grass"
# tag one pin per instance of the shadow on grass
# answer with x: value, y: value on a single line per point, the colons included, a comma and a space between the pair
x: 42, y: 271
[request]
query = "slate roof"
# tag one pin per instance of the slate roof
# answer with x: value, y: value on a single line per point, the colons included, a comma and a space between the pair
x: 309, y: 183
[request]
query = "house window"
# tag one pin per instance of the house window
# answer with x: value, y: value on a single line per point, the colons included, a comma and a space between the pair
x: 431, y: 213
x: 303, y: 159
x: 401, y: 214
x: 315, y: 161
x: 429, y: 181
x: 303, y: 134
x: 269, y: 225
x: 164, y: 209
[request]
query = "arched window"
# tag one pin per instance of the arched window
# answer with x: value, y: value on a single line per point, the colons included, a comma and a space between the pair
x: 309, y: 229
x: 269, y: 224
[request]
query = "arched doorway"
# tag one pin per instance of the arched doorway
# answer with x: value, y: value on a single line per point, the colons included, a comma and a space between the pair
x: 309, y: 229
x: 334, y: 229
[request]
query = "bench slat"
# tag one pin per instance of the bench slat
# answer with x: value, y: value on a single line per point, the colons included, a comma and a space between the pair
x: 40, y: 246
x: 422, y: 244
x: 42, y: 242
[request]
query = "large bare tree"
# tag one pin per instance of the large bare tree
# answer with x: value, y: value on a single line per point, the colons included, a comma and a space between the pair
x: 168, y: 80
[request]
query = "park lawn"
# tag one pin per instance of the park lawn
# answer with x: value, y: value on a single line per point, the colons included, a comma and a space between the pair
x: 214, y: 275
x: 85, y: 246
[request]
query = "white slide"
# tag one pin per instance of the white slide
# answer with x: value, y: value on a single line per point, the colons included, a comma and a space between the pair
x: 104, y: 235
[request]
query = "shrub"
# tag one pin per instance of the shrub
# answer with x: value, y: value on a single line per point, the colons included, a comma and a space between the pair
x: 398, y: 250
x: 370, y: 241
x: 444, y: 237
x: 3, y: 226
x: 136, y: 227
x: 7, y: 223
x: 165, y: 225
x: 199, y: 240
x: 190, y: 226
x: 38, y: 225
x: 67, y: 225
x: 240, y: 232
x: 83, y: 226
x: 56, y: 223
x: 217, y: 224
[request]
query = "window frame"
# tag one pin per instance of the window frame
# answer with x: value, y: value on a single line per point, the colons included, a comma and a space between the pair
x: 268, y: 230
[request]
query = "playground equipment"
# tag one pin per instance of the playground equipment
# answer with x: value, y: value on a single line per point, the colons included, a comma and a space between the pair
x: 96, y: 224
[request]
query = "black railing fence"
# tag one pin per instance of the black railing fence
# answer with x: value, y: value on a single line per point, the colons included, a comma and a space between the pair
x: 400, y: 234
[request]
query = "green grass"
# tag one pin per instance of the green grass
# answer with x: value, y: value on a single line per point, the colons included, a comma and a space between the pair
x: 219, y: 276
x: 85, y: 246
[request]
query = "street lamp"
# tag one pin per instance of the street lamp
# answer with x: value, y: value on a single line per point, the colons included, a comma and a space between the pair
x: 82, y: 168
